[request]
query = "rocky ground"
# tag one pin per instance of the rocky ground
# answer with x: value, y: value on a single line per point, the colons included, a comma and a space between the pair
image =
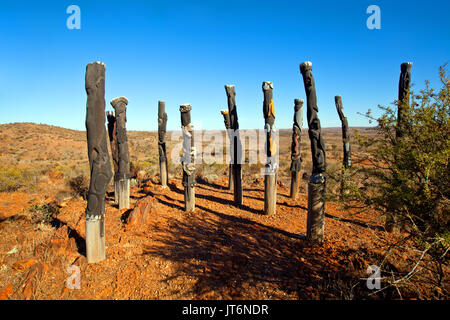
x: 157, y: 251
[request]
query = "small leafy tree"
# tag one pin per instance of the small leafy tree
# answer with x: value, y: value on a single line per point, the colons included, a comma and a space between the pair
x: 407, y: 179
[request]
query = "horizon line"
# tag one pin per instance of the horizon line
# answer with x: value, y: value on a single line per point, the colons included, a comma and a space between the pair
x: 134, y: 130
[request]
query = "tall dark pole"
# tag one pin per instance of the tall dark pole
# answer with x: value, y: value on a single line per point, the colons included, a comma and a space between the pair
x: 162, y: 123
x: 236, y: 147
x: 270, y: 177
x: 226, y: 120
x: 316, y: 185
x: 187, y: 161
x: 99, y: 162
x: 296, y: 157
x: 114, y: 148
x: 123, y: 176
x: 404, y: 85
x: 347, y: 161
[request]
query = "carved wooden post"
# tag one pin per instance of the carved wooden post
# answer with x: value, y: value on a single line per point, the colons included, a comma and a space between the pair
x: 296, y: 157
x: 317, y: 184
x: 114, y: 149
x: 99, y: 162
x: 345, y: 134
x: 236, y: 147
x: 226, y: 120
x: 270, y: 176
x: 162, y: 123
x: 122, y: 179
x: 187, y: 161
x: 404, y: 86
x: 347, y: 160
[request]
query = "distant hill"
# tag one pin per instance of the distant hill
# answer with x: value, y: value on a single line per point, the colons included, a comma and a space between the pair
x: 30, y: 143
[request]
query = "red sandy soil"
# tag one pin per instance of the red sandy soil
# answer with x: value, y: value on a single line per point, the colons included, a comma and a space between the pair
x: 218, y: 252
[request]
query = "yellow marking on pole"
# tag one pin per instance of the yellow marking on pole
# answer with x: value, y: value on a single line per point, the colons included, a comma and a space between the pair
x: 271, y: 109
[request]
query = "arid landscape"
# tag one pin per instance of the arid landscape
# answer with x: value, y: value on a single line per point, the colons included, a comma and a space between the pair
x: 218, y: 252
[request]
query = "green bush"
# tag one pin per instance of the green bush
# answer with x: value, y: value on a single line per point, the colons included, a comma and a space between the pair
x: 407, y: 179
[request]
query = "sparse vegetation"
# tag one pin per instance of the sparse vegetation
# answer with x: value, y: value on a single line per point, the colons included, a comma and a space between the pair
x: 79, y: 186
x: 349, y: 249
x: 408, y: 180
x: 14, y: 178
x: 149, y: 167
x: 43, y: 213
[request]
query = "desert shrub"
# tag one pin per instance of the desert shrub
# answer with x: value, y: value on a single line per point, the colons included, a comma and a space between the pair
x: 43, y: 213
x: 343, y: 183
x: 407, y: 179
x: 62, y: 170
x: 335, y: 179
x: 79, y: 186
x: 135, y: 167
x: 251, y: 171
x: 13, y: 178
x: 68, y: 171
x: 149, y: 167
x: 213, y: 168
x: 207, y: 173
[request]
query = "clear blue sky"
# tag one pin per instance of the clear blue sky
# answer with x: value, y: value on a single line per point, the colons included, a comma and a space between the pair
x: 185, y: 51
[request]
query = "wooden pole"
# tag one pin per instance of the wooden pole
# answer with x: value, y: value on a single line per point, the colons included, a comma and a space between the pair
x: 296, y: 157
x: 114, y: 149
x: 122, y: 179
x: 187, y: 160
x: 162, y: 123
x: 236, y: 147
x: 226, y: 120
x: 270, y: 174
x: 317, y: 182
x: 99, y: 162
x: 404, y: 86
x: 347, y: 161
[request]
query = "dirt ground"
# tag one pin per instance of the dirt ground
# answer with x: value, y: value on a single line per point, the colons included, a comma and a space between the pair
x: 218, y: 252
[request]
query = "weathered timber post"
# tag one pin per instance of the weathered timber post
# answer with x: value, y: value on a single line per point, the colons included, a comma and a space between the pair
x: 122, y: 179
x: 236, y: 146
x: 345, y: 134
x: 296, y: 157
x: 226, y: 120
x: 347, y: 160
x: 99, y: 162
x: 404, y: 86
x: 162, y: 123
x: 187, y: 161
x: 270, y: 174
x: 317, y: 182
x: 114, y: 149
